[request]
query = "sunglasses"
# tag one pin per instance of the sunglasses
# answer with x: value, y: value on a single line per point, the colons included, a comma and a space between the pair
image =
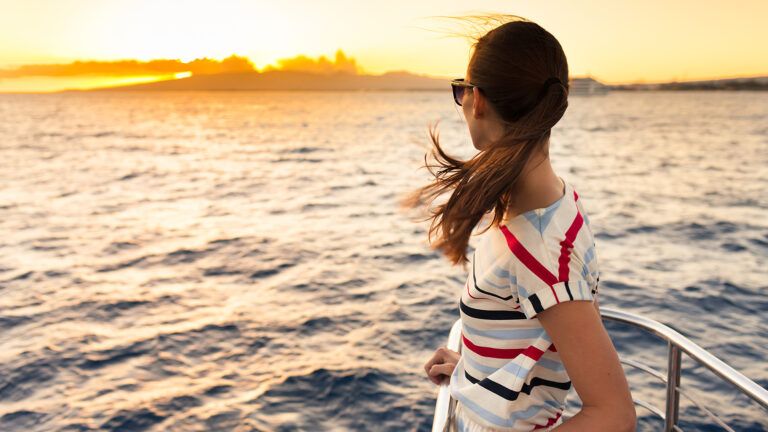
x: 458, y: 85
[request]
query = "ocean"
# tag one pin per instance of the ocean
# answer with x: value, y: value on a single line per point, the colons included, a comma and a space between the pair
x: 236, y: 261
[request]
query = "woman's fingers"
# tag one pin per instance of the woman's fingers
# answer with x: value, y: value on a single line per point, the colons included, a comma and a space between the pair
x: 442, y: 362
x: 437, y: 357
x: 437, y: 370
x: 452, y: 356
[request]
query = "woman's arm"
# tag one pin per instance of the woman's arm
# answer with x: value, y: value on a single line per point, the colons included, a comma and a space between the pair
x: 592, y: 363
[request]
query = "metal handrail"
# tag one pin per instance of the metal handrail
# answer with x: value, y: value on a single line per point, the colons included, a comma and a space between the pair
x: 677, y: 344
x: 445, y: 403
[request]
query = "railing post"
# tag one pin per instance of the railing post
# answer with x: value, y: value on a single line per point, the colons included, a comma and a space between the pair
x: 673, y: 381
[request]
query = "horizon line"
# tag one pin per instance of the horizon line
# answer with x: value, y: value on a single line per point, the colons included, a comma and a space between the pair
x: 274, y: 70
x: 341, y: 64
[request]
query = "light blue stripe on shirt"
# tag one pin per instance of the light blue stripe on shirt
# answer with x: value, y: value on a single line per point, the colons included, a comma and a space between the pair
x: 492, y: 418
x: 500, y: 272
x: 506, y: 334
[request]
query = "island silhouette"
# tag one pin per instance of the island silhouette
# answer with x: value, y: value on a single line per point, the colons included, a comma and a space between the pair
x: 235, y: 73
x: 291, y: 80
x: 302, y: 73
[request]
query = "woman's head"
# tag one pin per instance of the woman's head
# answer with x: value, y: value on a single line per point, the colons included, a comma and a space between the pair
x: 520, y: 74
x: 519, y: 90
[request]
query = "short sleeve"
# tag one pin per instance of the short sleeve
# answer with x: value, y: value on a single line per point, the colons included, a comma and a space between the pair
x: 538, y: 286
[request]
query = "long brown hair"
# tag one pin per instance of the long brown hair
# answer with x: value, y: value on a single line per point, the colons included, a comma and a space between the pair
x: 523, y: 72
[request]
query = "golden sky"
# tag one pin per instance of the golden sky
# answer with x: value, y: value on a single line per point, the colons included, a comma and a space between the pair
x: 616, y: 41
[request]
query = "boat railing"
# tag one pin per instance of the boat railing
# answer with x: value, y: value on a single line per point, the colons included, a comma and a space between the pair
x: 677, y: 344
x: 445, y: 404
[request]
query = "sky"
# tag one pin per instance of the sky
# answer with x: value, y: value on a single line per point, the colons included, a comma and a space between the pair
x: 616, y: 42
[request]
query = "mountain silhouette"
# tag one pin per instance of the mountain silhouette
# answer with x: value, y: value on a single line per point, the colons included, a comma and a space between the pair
x: 290, y: 80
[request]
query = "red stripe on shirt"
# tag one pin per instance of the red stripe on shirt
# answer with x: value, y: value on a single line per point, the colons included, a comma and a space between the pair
x: 505, y: 353
x: 550, y: 422
x: 567, y: 244
x: 526, y: 258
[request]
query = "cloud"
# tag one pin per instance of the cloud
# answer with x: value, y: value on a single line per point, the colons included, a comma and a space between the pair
x: 232, y: 63
x: 201, y: 66
x: 302, y: 63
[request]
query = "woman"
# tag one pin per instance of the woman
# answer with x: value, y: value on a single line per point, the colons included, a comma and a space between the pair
x: 531, y: 325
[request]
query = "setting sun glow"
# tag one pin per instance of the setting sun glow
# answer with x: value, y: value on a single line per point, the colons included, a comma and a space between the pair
x: 632, y: 41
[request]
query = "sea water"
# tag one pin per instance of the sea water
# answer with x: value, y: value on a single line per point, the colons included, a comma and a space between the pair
x: 180, y: 261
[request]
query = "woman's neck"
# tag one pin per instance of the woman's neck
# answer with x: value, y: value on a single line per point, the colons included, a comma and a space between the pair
x: 538, y: 187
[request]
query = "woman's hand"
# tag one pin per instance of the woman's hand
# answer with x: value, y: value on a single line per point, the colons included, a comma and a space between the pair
x: 443, y: 362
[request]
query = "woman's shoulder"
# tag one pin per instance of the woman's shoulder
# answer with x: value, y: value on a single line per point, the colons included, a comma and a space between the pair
x: 564, y: 223
x: 567, y: 213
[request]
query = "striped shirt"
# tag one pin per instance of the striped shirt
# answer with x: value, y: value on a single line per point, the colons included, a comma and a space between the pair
x: 510, y: 376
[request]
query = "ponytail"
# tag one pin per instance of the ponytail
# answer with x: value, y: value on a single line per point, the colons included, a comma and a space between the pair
x: 487, y: 182
x: 481, y: 184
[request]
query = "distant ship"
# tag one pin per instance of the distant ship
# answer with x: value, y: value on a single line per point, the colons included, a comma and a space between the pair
x: 587, y: 86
